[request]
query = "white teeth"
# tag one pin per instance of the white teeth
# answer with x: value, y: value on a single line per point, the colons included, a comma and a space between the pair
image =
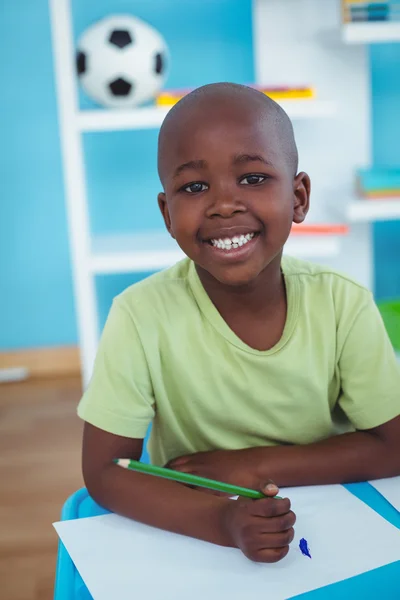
x: 235, y: 242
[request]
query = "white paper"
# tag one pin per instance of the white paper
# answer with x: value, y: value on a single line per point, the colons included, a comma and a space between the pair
x: 119, y: 558
x: 390, y: 489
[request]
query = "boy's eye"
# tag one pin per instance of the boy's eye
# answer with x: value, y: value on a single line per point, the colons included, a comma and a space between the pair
x: 195, y: 187
x: 252, y: 179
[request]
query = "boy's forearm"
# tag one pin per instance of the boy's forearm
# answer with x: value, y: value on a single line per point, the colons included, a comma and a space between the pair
x: 357, y: 456
x: 163, y: 504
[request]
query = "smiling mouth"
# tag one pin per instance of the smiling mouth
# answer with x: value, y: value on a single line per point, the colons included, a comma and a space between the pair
x: 229, y: 244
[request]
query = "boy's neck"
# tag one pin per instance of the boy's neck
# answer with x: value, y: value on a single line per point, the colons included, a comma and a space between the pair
x: 259, y: 297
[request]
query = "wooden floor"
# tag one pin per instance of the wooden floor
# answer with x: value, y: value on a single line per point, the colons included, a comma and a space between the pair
x: 40, y: 442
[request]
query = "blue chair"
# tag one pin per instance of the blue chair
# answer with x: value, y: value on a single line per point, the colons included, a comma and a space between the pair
x: 381, y: 583
x: 68, y: 583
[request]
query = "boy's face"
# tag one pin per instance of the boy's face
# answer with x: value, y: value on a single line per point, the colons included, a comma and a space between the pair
x: 230, y: 194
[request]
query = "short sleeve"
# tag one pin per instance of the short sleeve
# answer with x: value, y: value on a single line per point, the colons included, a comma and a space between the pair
x: 119, y: 398
x: 370, y: 372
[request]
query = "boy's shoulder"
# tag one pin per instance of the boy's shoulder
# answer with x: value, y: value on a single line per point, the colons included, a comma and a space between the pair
x: 158, y: 291
x: 323, y: 284
x: 320, y: 274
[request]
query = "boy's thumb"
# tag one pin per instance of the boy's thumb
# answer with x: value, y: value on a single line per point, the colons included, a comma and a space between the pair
x: 270, y: 489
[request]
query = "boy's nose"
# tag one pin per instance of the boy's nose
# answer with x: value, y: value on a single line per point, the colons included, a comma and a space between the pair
x: 225, y: 205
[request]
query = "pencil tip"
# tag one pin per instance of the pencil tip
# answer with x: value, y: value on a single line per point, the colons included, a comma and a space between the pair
x: 122, y: 462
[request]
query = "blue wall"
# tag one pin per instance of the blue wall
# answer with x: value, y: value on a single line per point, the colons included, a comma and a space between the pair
x: 385, y: 73
x: 36, y: 298
x: 36, y: 304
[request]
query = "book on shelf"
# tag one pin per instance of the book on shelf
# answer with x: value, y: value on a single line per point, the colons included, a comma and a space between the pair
x: 361, y: 4
x: 170, y: 97
x: 374, y: 19
x: 378, y: 183
x: 355, y: 12
x: 357, y: 2
x: 318, y: 229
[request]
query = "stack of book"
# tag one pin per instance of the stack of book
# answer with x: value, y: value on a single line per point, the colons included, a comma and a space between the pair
x: 170, y: 97
x: 318, y: 229
x: 356, y: 11
x: 379, y: 183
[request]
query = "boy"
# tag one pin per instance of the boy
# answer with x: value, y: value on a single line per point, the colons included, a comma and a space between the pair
x: 251, y: 367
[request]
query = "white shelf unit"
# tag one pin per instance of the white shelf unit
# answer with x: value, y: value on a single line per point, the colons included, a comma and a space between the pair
x: 374, y: 32
x: 362, y: 211
x: 374, y: 210
x: 147, y: 118
x: 109, y: 254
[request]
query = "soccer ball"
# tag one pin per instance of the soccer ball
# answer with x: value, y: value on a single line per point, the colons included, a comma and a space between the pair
x: 121, y: 61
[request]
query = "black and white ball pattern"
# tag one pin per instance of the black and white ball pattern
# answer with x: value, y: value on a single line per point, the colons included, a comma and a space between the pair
x: 121, y: 61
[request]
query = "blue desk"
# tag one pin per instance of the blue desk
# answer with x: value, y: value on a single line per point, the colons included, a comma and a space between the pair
x: 383, y: 583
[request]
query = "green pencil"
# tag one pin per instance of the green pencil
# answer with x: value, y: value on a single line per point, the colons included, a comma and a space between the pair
x: 219, y: 486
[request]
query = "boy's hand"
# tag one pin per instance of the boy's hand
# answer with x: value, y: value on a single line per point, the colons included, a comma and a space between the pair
x: 238, y: 467
x: 262, y: 529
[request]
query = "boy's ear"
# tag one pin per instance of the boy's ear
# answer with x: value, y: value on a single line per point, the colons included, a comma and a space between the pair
x: 162, y: 203
x: 301, y: 188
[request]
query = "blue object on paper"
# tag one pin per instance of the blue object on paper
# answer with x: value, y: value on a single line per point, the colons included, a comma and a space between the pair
x: 304, y: 547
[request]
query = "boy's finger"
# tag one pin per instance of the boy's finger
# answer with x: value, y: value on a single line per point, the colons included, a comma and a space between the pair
x: 212, y: 492
x: 277, y: 524
x: 270, y: 489
x: 268, y: 555
x: 278, y: 539
x: 269, y: 507
x: 177, y: 461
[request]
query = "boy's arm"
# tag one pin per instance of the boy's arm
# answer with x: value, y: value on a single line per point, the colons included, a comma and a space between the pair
x: 151, y: 500
x: 262, y: 529
x: 357, y: 456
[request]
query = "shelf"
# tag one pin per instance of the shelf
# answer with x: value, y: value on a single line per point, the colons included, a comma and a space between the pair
x: 154, y: 250
x: 116, y: 120
x: 139, y: 252
x: 372, y: 32
x: 152, y: 117
x: 374, y: 210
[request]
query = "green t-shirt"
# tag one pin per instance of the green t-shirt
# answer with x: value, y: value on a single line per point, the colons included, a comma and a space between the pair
x: 166, y: 356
